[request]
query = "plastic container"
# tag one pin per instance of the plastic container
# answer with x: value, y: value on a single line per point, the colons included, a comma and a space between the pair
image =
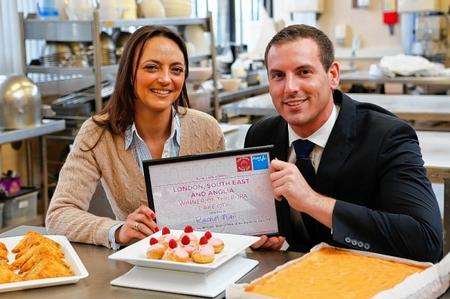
x: 21, y: 207
x: 47, y: 9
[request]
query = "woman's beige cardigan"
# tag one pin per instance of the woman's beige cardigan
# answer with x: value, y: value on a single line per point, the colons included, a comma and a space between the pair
x: 119, y: 174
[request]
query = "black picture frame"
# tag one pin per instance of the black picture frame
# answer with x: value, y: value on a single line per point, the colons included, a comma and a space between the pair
x: 148, y: 163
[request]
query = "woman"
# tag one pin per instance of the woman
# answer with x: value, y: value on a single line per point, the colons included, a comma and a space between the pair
x: 146, y: 117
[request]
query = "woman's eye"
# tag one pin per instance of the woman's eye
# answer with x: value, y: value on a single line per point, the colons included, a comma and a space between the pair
x: 150, y: 67
x: 177, y: 71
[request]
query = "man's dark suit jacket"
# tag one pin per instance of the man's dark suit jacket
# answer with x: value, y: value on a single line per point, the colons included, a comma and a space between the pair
x: 372, y: 166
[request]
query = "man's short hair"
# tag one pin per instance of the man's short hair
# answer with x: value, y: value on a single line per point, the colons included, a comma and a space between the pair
x: 296, y: 32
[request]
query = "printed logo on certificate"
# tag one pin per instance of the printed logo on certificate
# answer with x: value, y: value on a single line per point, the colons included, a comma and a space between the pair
x: 226, y: 192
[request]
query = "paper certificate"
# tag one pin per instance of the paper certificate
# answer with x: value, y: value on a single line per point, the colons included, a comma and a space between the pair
x: 225, y: 192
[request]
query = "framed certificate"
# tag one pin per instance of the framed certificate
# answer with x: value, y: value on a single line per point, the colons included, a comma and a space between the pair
x: 225, y: 192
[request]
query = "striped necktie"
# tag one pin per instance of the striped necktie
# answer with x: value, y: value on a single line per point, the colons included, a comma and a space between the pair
x: 303, y: 149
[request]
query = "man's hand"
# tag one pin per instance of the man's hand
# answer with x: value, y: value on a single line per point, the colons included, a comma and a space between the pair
x: 287, y: 181
x: 137, y: 226
x: 271, y: 243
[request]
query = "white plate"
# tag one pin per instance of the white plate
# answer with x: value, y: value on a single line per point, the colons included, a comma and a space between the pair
x: 136, y: 253
x: 209, y: 284
x: 70, y: 256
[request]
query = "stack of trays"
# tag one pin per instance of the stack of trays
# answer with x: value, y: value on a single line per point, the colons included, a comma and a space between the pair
x: 108, y: 49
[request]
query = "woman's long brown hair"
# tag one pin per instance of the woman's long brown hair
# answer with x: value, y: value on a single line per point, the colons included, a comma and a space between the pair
x: 118, y: 114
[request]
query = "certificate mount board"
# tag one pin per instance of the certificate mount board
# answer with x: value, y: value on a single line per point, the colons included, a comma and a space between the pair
x: 225, y: 192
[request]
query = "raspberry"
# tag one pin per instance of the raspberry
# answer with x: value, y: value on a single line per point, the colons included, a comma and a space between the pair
x: 203, y: 240
x: 188, y: 229
x: 156, y: 229
x: 172, y: 243
x: 208, y: 235
x: 165, y: 230
x: 185, y: 240
x: 153, y: 241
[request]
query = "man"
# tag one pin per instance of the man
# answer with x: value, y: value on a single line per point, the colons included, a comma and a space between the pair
x: 359, y: 180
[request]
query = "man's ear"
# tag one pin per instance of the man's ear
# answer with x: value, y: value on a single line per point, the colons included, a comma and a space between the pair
x: 333, y: 75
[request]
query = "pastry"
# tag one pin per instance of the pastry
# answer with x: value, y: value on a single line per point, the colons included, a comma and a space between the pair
x: 48, y: 267
x: 32, y: 239
x: 33, y: 255
x: 156, y: 249
x: 216, y: 242
x: 332, y: 273
x: 188, y: 245
x: 189, y: 231
x: 205, y: 252
x: 37, y: 257
x: 3, y: 252
x: 165, y: 236
x: 176, y: 253
x: 6, y: 274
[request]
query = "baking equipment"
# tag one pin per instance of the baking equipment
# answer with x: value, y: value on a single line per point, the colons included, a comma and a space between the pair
x: 56, y: 54
x: 108, y: 49
x: 177, y: 8
x: 200, y: 99
x: 80, y: 10
x: 199, y: 74
x: 110, y: 10
x: 121, y: 40
x: 20, y: 102
x: 196, y: 35
x: 81, y: 103
x: 431, y: 36
x: 230, y: 84
x: 129, y: 9
x: 152, y: 9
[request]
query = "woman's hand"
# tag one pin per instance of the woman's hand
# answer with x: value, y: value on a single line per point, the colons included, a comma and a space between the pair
x: 137, y: 226
x: 269, y: 243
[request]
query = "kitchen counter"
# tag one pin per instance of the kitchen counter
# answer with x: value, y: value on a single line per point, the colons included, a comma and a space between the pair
x: 408, y: 107
x: 365, y: 77
x: 102, y: 271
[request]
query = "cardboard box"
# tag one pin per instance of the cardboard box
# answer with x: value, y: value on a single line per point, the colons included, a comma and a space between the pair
x: 430, y: 283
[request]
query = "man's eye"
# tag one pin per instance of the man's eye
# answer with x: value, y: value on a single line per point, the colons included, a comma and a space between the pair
x: 304, y: 72
x: 276, y: 76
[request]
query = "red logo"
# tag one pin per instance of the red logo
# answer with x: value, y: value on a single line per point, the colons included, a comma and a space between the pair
x: 243, y: 164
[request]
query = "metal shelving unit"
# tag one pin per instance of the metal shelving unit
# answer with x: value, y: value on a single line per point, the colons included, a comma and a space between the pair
x: 228, y: 97
x: 42, y: 132
x: 89, y: 31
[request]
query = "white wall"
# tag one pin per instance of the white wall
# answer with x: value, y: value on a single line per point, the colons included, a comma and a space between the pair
x: 367, y: 23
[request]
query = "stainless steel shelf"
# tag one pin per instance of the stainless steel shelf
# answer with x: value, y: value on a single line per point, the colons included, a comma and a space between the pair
x: 233, y: 96
x: 154, y: 21
x: 89, y: 31
x: 61, y: 71
x: 47, y: 127
x: 106, y: 69
x: 198, y: 58
x: 81, y: 31
x: 58, y: 30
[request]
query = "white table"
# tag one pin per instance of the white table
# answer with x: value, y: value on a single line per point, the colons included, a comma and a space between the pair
x: 407, y: 107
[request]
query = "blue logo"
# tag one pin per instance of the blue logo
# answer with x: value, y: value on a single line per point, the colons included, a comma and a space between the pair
x: 260, y: 161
